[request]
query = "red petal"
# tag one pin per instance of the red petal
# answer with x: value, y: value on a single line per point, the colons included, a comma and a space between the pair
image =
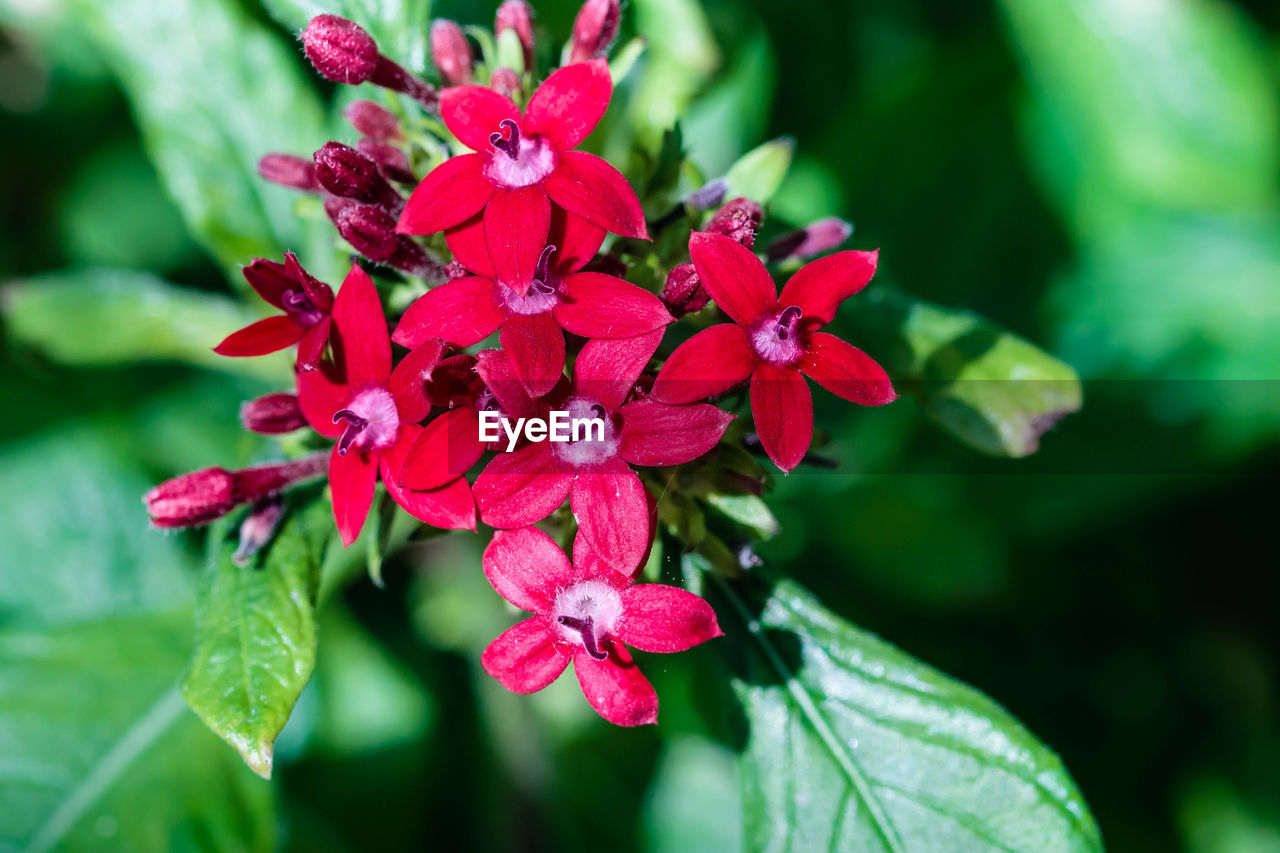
x: 587, y: 186
x: 351, y: 479
x: 462, y: 312
x: 320, y: 398
x: 409, y: 380
x: 570, y: 103
x: 521, y: 488
x: 654, y: 434
x: 271, y: 334
x: 466, y: 241
x: 450, y: 507
x: 657, y: 618
x: 515, y: 232
x: 601, y: 306
x: 607, y: 370
x: 453, y: 192
x: 499, y: 376
x: 361, y: 344
x: 526, y: 657
x: 709, y: 363
x: 311, y: 347
x: 270, y: 280
x: 846, y: 371
x: 446, y: 449
x: 535, y: 345
x: 527, y: 568
x: 783, y: 412
x: 576, y: 241
x: 819, y: 287
x: 609, y: 504
x: 616, y: 688
x: 473, y: 112
x: 733, y: 275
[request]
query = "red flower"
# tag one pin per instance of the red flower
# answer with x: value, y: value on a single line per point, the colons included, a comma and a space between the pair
x: 520, y: 488
x: 373, y: 411
x: 526, y: 162
x: 306, y: 303
x: 585, y: 613
x: 530, y: 290
x: 774, y: 341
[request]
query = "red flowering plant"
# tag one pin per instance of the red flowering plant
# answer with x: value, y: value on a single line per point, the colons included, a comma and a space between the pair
x: 504, y: 355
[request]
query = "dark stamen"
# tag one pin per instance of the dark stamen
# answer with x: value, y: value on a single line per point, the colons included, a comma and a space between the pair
x: 542, y: 272
x: 598, y: 410
x: 587, y: 631
x: 299, y: 305
x: 355, y: 425
x: 787, y: 322
x: 511, y: 144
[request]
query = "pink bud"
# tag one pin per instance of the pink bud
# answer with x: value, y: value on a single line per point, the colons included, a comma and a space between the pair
x: 193, y: 499
x: 739, y: 219
x: 374, y: 121
x: 505, y: 82
x: 370, y: 230
x: 273, y: 414
x: 684, y: 293
x: 821, y: 236
x: 289, y: 171
x: 392, y: 161
x: 345, y: 172
x: 451, y: 52
x: 257, y: 529
x: 594, y: 29
x: 517, y: 15
x: 340, y: 49
x: 262, y: 480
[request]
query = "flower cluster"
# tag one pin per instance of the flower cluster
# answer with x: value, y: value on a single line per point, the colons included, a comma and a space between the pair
x: 505, y: 237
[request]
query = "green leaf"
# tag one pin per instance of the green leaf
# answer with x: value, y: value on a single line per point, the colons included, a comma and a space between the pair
x: 109, y: 317
x: 988, y: 387
x: 213, y: 91
x: 758, y: 173
x: 855, y: 745
x: 400, y: 27
x: 748, y: 510
x: 256, y: 634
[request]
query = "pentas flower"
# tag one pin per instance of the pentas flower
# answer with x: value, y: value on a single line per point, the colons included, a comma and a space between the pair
x: 607, y: 498
x: 524, y: 162
x: 774, y: 341
x: 530, y: 291
x: 306, y: 303
x: 373, y: 411
x: 589, y: 614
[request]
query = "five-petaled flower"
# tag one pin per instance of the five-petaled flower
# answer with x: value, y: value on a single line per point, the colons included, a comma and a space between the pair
x: 373, y: 411
x: 530, y: 291
x: 306, y: 303
x: 524, y: 163
x: 586, y: 612
x: 607, y: 498
x: 774, y: 341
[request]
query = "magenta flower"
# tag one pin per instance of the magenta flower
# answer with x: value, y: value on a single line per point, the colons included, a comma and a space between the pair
x: 589, y: 614
x: 524, y: 163
x: 523, y: 487
x: 306, y: 303
x: 530, y: 291
x: 774, y: 341
x: 373, y: 411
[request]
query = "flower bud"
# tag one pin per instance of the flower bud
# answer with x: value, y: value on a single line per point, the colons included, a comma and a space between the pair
x: 517, y: 15
x: 192, y: 499
x: 505, y: 82
x: 683, y: 292
x: 289, y: 171
x: 594, y: 29
x: 821, y: 236
x: 333, y: 206
x: 257, y: 529
x: 451, y: 52
x: 340, y: 49
x: 708, y: 195
x: 370, y: 230
x: 392, y: 161
x: 273, y: 414
x: 345, y: 172
x: 739, y: 220
x: 374, y: 121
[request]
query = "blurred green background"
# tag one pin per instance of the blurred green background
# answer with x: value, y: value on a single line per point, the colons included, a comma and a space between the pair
x: 1099, y: 176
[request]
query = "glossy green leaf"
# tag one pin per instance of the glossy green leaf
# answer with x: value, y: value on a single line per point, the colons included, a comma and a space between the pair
x: 988, y: 387
x: 855, y: 745
x: 681, y: 55
x: 400, y: 27
x: 108, y: 317
x: 758, y: 173
x: 748, y: 510
x: 256, y: 634
x: 213, y: 90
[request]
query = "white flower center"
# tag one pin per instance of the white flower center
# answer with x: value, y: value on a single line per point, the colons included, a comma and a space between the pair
x: 586, y: 614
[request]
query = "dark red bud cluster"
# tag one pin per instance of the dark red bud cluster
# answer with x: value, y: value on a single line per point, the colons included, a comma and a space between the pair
x: 342, y: 51
x: 289, y: 171
x: 273, y: 414
x: 373, y: 121
x: 203, y: 496
x: 739, y: 220
x: 347, y: 173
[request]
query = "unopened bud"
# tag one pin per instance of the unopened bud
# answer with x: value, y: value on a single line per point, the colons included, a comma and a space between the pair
x: 454, y: 270
x: 273, y: 414
x: 289, y: 171
x: 392, y: 161
x: 257, y: 529
x: 708, y: 195
x: 451, y: 52
x: 345, y: 172
x: 684, y: 293
x: 333, y: 206
x: 192, y: 499
x: 340, y: 50
x: 370, y: 230
x: 821, y: 236
x: 505, y: 82
x: 374, y: 121
x: 739, y: 220
x: 517, y: 15
x: 594, y: 29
